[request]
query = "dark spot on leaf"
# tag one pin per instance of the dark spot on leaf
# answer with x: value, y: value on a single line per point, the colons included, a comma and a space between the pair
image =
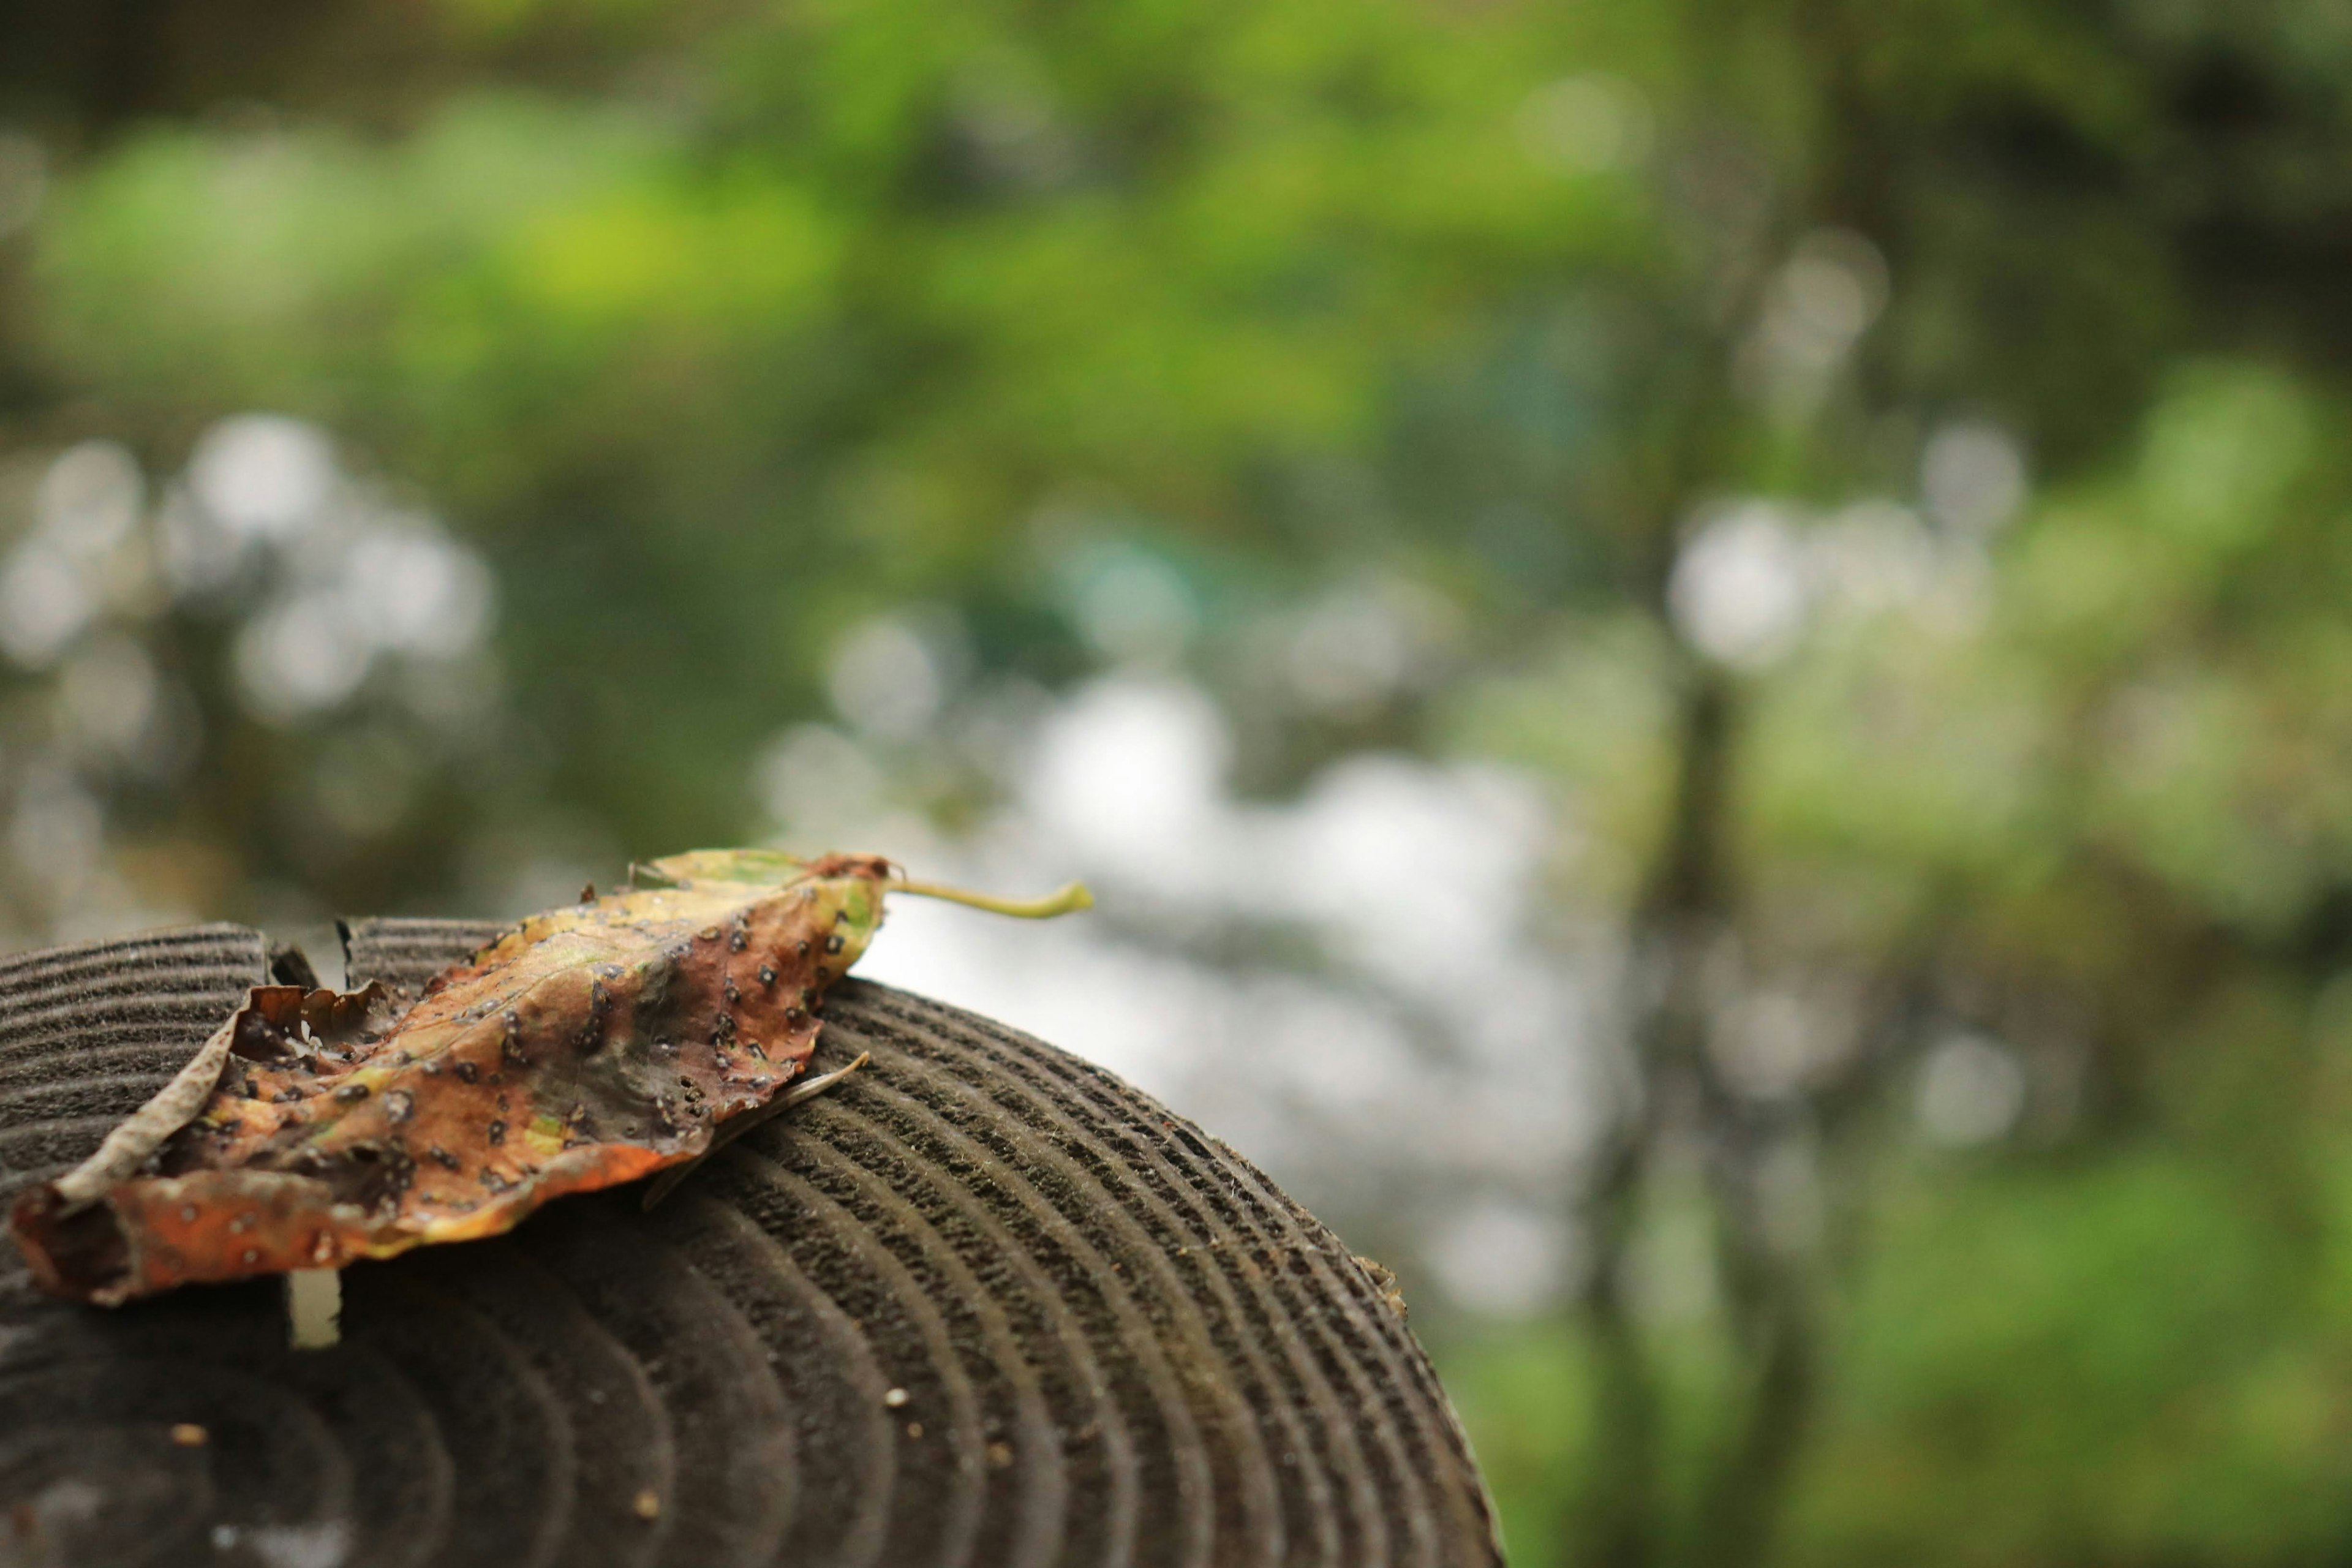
x: 442, y: 1157
x: 353, y: 1093
x: 498, y: 1133
x: 468, y: 1071
x: 833, y: 943
x: 399, y: 1105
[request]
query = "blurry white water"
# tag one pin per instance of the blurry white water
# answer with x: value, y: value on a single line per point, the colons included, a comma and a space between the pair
x: 1349, y: 986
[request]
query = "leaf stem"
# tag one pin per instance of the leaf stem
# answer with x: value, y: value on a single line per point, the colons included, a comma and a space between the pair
x: 1070, y: 900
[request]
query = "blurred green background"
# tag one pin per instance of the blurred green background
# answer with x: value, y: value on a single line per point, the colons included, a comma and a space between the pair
x: 1704, y: 651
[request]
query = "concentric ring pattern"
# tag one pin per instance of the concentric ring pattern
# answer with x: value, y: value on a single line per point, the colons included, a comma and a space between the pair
x: 983, y: 1305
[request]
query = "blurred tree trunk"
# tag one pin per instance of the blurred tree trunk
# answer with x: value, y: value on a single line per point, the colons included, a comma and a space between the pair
x: 1613, y: 1517
x: 1770, y: 1293
x: 1681, y: 920
x: 1769, y: 1281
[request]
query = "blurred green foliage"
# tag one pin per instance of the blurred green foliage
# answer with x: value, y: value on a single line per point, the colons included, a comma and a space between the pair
x: 1680, y: 358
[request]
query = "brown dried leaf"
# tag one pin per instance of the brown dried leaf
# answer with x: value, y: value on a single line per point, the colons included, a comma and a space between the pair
x: 587, y: 1047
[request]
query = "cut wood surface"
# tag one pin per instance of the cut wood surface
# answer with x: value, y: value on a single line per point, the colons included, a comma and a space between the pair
x: 983, y: 1304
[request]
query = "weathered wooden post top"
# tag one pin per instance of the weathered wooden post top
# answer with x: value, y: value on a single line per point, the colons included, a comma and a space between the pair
x: 983, y: 1305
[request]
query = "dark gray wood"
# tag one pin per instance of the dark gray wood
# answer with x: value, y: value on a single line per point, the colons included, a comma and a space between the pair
x: 984, y: 1304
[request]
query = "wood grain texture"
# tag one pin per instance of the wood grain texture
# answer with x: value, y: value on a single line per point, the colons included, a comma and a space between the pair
x: 984, y: 1305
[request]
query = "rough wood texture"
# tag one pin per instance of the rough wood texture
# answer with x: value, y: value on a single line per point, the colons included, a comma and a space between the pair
x: 983, y: 1305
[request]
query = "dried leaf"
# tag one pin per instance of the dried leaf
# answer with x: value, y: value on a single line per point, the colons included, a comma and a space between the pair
x: 589, y: 1045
